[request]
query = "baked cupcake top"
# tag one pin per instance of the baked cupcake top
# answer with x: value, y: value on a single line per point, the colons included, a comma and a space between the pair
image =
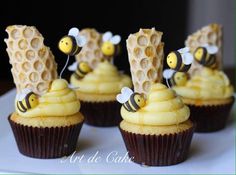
x: 60, y: 100
x: 207, y: 84
x: 104, y: 79
x: 162, y: 107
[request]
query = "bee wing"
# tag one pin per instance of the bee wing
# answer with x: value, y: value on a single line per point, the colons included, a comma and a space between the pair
x: 81, y: 40
x: 73, y: 32
x: 21, y: 95
x: 107, y: 36
x: 115, y: 39
x: 73, y: 66
x: 187, y: 58
x: 124, y: 95
x: 212, y: 49
x: 167, y: 73
x: 184, y: 50
x: 73, y: 87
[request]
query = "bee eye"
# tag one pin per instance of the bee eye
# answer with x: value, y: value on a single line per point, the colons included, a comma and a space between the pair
x: 62, y: 41
x: 32, y: 100
x: 138, y: 100
x: 170, y: 61
x: 66, y: 43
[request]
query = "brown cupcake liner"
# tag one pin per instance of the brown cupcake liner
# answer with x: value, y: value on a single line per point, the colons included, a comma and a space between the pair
x: 158, y: 150
x: 210, y: 118
x: 45, y: 143
x: 101, y: 114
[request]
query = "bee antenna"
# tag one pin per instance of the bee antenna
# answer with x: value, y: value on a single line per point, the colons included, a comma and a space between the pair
x: 67, y: 61
x: 167, y: 82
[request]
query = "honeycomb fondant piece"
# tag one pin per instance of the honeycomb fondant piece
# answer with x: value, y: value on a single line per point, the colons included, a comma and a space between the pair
x: 146, y: 54
x: 212, y: 35
x: 33, y: 64
x: 91, y: 52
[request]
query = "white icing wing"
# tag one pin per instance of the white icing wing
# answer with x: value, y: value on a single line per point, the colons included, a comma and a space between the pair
x: 74, y: 32
x: 184, y: 50
x: 124, y: 95
x: 115, y: 39
x: 167, y: 73
x: 81, y: 40
x: 73, y: 66
x: 211, y: 49
x: 107, y: 36
x: 20, y: 96
x: 187, y: 58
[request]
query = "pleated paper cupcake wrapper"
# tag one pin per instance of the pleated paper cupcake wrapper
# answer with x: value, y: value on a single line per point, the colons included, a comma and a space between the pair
x: 45, y: 143
x: 210, y: 118
x: 102, y: 114
x: 158, y: 150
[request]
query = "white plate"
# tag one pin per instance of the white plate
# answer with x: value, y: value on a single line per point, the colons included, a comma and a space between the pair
x: 210, y: 153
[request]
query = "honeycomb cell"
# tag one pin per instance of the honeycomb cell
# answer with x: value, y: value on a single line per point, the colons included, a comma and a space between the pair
x: 152, y: 74
x: 15, y: 34
x: 27, y: 32
x: 144, y: 63
x: 134, y: 63
x: 140, y: 75
x: 149, y: 51
x: 33, y: 77
x: 30, y: 55
x: 46, y: 76
x: 42, y: 52
x: 38, y: 66
x: 18, y: 56
x: 35, y: 43
x: 22, y: 78
x: 26, y: 66
x: 48, y: 64
x: 23, y: 44
x: 90, y: 45
x: 41, y: 87
x: 146, y: 86
x: 142, y: 40
x: 155, y: 40
x: 137, y: 52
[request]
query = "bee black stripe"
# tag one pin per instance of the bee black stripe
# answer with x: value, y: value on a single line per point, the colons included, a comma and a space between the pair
x: 133, y: 102
x: 27, y: 99
x: 185, y: 68
x: 125, y: 106
x: 128, y: 107
x: 74, y: 45
x: 173, y: 79
x: 211, y: 60
x: 204, y: 55
x: 22, y: 106
x: 82, y: 72
x: 179, y: 60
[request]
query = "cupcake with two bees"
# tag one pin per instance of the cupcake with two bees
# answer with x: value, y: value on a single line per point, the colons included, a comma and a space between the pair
x: 46, y: 122
x: 156, y: 128
x: 97, y: 85
x: 208, y: 93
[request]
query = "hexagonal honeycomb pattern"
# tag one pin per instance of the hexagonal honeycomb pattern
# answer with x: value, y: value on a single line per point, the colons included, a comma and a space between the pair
x: 33, y: 64
x: 91, y: 52
x: 211, y: 34
x: 146, y: 54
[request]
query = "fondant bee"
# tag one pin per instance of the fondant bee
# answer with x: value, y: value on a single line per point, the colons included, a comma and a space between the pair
x: 26, y: 100
x: 72, y: 43
x: 176, y: 78
x: 131, y: 101
x: 180, y: 60
x: 80, y: 69
x: 206, y: 55
x: 110, y: 45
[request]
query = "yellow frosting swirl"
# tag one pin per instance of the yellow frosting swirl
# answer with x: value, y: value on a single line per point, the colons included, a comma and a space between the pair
x: 104, y: 79
x: 162, y: 107
x: 58, y: 101
x: 207, y: 84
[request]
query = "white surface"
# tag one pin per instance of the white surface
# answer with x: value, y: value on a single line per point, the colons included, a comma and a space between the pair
x: 210, y: 153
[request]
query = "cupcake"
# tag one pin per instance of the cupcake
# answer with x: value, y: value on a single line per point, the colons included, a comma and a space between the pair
x: 97, y: 79
x: 160, y: 132
x: 156, y: 128
x: 209, y: 96
x: 208, y: 92
x: 97, y: 92
x: 46, y: 122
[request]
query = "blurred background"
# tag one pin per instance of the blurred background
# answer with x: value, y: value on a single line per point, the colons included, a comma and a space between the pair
x: 176, y: 19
